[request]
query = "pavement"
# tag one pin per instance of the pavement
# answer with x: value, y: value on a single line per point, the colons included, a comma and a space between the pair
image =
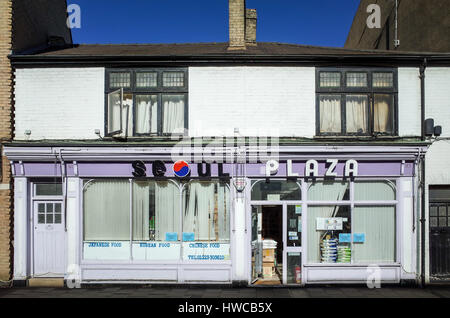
x: 226, y: 292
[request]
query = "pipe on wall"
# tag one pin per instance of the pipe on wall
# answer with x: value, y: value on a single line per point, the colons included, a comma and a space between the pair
x: 422, y: 181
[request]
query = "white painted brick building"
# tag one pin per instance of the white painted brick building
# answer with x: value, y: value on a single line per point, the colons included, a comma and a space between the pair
x: 325, y: 106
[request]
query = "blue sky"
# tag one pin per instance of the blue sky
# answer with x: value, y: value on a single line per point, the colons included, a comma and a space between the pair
x: 311, y: 22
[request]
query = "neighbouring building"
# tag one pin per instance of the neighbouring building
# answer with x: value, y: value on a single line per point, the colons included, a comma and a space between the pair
x: 24, y: 26
x: 420, y: 26
x: 415, y: 26
x: 237, y: 163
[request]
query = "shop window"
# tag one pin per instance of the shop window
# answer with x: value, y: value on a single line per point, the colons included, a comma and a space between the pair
x: 206, y: 221
x: 360, y: 231
x: 146, y: 102
x: 156, y: 220
x: 375, y: 191
x: 375, y: 226
x: 359, y: 102
x: 275, y: 190
x: 329, y: 231
x: 106, y: 219
x: 329, y: 191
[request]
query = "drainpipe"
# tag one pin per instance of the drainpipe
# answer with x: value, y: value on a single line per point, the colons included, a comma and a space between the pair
x: 64, y: 186
x: 422, y: 181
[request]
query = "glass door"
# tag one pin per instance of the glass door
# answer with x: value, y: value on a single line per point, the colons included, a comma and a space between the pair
x: 256, y: 244
x: 292, y: 244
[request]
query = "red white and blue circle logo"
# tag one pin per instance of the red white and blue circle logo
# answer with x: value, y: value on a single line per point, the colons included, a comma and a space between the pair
x: 181, y: 168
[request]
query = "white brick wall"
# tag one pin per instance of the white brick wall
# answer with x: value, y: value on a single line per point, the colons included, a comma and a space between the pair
x: 68, y: 103
x: 437, y: 95
x: 409, y: 114
x: 59, y: 103
x: 257, y: 100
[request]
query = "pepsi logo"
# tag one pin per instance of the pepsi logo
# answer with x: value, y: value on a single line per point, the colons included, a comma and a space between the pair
x: 181, y: 168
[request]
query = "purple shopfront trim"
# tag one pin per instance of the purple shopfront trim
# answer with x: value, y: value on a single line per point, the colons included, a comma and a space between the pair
x: 253, y: 170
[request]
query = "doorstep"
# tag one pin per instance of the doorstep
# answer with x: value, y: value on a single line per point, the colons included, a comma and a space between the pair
x: 46, y: 282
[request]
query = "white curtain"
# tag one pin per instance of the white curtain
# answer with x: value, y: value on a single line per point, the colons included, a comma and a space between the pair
x: 206, y: 211
x: 167, y: 205
x: 114, y: 111
x: 127, y: 118
x: 173, y: 113
x: 378, y: 224
x: 141, y: 211
x: 146, y: 114
x: 356, y: 113
x: 330, y: 113
x: 159, y: 200
x: 374, y: 190
x: 327, y: 191
x: 382, y: 116
x: 107, y: 210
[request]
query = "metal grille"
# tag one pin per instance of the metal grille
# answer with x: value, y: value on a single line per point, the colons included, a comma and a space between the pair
x: 383, y: 80
x: 149, y: 79
x: 173, y: 79
x: 117, y: 80
x: 440, y: 240
x: 330, y: 79
x: 356, y: 80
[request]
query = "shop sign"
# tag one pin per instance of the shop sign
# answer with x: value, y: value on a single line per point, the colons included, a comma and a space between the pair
x: 312, y: 168
x: 206, y: 251
x: 183, y: 169
x: 180, y: 169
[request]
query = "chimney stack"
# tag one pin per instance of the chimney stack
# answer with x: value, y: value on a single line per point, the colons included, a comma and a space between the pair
x: 242, y: 25
x: 250, y: 27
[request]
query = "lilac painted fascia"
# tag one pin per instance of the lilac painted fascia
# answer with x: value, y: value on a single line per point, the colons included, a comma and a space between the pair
x: 256, y: 170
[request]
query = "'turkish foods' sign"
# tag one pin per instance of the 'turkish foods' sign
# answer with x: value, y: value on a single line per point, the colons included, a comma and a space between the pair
x: 312, y: 168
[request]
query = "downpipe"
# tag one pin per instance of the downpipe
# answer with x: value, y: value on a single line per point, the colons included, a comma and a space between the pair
x: 422, y: 179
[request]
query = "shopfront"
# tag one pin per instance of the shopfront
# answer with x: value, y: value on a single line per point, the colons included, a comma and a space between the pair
x: 333, y: 221
x: 300, y: 219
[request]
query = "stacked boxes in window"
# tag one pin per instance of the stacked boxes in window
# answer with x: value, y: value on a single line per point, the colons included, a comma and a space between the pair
x: 269, y: 258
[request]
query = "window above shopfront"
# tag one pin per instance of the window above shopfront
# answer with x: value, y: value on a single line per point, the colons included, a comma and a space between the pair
x: 356, y: 102
x: 146, y: 102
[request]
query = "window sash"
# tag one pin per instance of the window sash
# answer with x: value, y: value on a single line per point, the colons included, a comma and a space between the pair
x: 116, y: 121
x: 114, y: 112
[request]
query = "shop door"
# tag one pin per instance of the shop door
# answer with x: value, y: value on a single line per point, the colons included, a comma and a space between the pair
x: 440, y: 241
x: 292, y: 244
x: 49, y: 239
x: 276, y: 244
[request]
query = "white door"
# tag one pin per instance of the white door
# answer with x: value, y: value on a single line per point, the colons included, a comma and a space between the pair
x: 49, y: 239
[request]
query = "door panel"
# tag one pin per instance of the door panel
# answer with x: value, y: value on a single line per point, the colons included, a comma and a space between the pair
x: 440, y: 240
x: 49, y: 239
x: 292, y: 244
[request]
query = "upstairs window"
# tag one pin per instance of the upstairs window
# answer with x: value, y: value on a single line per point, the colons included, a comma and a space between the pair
x: 146, y: 102
x: 359, y: 102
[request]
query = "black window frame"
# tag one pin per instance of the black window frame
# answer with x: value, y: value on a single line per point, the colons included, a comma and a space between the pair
x: 369, y: 90
x: 159, y: 90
